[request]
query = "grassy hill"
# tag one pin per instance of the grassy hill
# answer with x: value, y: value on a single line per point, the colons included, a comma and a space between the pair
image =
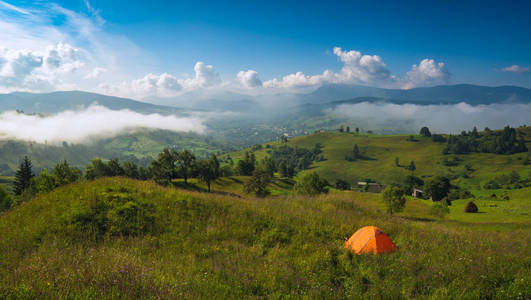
x: 121, y: 238
x: 380, y: 152
x: 140, y: 146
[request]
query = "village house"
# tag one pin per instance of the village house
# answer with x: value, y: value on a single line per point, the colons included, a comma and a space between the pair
x: 417, y: 193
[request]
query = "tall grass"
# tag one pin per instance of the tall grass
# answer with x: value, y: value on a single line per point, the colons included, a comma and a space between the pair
x: 220, y: 246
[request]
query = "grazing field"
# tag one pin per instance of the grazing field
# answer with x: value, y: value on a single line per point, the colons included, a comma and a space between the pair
x: 122, y: 238
x: 380, y: 151
x: 233, y: 185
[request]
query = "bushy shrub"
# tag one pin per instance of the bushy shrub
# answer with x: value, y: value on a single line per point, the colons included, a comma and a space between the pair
x: 311, y: 184
x: 115, y: 213
x: 5, y: 199
x: 456, y: 194
x: 439, y: 209
x: 393, y: 196
x: 342, y: 185
x: 471, y: 207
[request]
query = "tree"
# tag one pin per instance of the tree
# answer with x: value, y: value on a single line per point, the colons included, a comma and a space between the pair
x: 163, y: 168
x: 114, y: 167
x: 23, y: 176
x: 46, y: 182
x: 348, y: 128
x: 342, y: 185
x: 341, y: 128
x: 214, y: 162
x: 438, y: 187
x: 412, y: 167
x: 96, y: 169
x: 475, y: 132
x: 411, y: 182
x: 357, y: 130
x: 185, y: 164
x: 284, y: 139
x: 65, y: 174
x: 258, y: 183
x: 5, y: 200
x: 130, y: 169
x: 206, y: 171
x: 268, y: 165
x: 393, y: 196
x: 246, y: 166
x: 283, y: 169
x: 424, y: 131
x: 311, y: 184
x: 354, y: 155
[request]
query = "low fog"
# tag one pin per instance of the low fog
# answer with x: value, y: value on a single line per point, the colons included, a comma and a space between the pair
x: 84, y: 125
x: 439, y: 118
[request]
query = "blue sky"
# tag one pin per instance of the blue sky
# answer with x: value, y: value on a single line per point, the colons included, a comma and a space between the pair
x: 162, y: 48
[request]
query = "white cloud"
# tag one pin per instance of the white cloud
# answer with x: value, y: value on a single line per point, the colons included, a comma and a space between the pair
x: 73, y: 49
x: 62, y: 58
x: 165, y: 85
x: 357, y: 69
x: 428, y: 72
x: 515, y: 69
x: 361, y: 68
x: 249, y: 79
x: 205, y: 76
x: 439, y: 118
x: 37, y: 71
x: 90, y: 123
x: 95, y: 73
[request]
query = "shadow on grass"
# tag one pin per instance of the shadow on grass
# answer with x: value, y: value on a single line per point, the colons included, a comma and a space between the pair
x: 189, y: 186
x: 363, y: 157
x: 418, y: 219
x: 195, y: 188
x: 235, y: 179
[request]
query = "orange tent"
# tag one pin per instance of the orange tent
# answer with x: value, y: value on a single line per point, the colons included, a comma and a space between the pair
x: 370, y: 239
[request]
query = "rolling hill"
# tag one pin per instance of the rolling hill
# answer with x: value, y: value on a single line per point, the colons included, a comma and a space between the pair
x: 380, y: 152
x: 120, y: 238
x: 48, y: 103
x: 140, y: 146
x: 443, y: 94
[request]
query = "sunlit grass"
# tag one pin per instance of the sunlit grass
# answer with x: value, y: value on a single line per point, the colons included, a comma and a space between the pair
x: 223, y: 246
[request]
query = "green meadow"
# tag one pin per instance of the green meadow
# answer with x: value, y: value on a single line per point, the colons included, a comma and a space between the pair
x: 380, y: 152
x: 122, y: 238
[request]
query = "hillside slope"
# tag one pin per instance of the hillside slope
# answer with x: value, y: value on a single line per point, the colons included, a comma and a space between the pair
x: 54, y: 102
x: 119, y: 238
x: 380, y: 152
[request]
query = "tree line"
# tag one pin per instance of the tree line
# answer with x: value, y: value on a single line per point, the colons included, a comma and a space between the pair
x: 505, y: 141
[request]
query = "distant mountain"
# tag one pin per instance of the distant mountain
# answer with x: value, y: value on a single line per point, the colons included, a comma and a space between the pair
x: 68, y: 100
x: 231, y: 101
x: 443, y: 94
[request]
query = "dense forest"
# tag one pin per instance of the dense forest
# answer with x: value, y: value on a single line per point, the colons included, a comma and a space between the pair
x: 506, y: 141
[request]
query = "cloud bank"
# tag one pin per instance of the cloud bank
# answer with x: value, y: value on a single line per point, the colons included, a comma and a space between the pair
x: 249, y: 78
x: 515, y: 69
x: 366, y: 69
x: 439, y: 118
x: 165, y: 85
x: 90, y: 123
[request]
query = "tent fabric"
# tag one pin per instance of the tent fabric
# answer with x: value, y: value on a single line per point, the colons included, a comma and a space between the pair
x: 370, y: 239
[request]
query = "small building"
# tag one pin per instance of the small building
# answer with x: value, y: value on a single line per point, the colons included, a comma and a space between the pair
x: 417, y: 193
